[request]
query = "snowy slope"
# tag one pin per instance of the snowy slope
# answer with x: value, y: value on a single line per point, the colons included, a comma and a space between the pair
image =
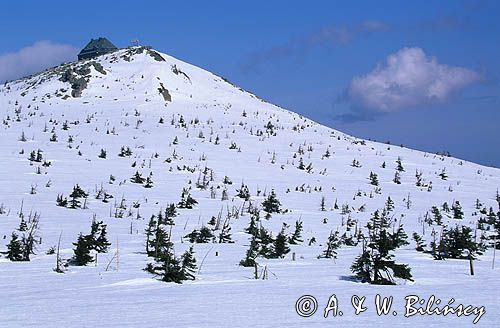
x: 139, y: 98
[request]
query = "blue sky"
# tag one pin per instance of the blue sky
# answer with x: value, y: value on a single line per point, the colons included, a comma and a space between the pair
x: 420, y: 73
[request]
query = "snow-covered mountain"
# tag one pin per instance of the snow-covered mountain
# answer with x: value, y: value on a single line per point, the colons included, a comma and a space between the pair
x: 98, y: 123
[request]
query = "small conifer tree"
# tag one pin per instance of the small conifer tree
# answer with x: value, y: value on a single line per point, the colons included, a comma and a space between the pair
x: 82, y: 251
x: 188, y: 264
x: 296, y: 237
x: 332, y: 244
x: 271, y: 204
x: 15, y: 248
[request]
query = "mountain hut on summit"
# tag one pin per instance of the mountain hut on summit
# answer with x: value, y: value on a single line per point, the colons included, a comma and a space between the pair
x: 96, y: 47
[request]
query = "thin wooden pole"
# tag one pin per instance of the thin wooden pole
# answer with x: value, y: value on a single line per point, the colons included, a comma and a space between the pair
x: 494, y: 251
x: 471, y: 264
x: 117, y: 255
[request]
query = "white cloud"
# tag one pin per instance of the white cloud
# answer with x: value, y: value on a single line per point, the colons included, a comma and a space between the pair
x: 408, y: 78
x: 34, y: 58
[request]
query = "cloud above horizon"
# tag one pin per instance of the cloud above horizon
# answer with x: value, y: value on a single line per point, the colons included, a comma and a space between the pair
x: 332, y: 34
x: 408, y: 78
x: 35, y: 58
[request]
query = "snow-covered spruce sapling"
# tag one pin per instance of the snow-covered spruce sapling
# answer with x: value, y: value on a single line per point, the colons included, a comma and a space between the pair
x: 458, y: 243
x: 125, y: 152
x: 81, y: 251
x: 355, y: 163
x: 204, y: 235
x: 399, y: 165
x: 137, y: 178
x: 75, y: 196
x: 271, y: 204
x: 98, y: 237
x: 252, y: 228
x: 24, y: 241
x: 265, y: 242
x: 243, y: 192
x: 438, y: 218
x: 322, y: 204
x: 397, y: 178
x: 186, y: 200
x: 149, y: 181
x: 373, y: 179
x: 251, y: 254
x: 399, y: 238
x: 296, y: 237
x: 167, y: 267
x: 280, y: 247
x: 15, y: 248
x: 443, y: 174
x: 389, y: 204
x: 376, y: 263
x: 188, y: 264
x: 420, y: 242
x: 102, y: 154
x: 53, y: 138
x: 332, y: 244
x: 225, y: 235
x: 61, y: 200
x: 458, y: 214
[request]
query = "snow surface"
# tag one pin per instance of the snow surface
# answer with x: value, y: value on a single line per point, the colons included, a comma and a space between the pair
x: 126, y: 102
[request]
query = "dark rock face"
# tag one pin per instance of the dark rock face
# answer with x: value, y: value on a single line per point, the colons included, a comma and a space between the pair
x: 78, y: 77
x: 164, y: 92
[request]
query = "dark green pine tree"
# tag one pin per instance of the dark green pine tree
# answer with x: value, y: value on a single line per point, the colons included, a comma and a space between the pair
x: 39, y: 156
x: 397, y: 178
x: 296, y: 237
x: 332, y: 244
x: 225, y: 235
x: 150, y: 235
x: 458, y: 243
x: 376, y: 264
x: 458, y: 214
x: 82, y: 251
x: 167, y: 267
x: 170, y: 213
x: 374, y: 179
x: 186, y: 200
x: 61, y: 200
x: 301, y: 164
x: 188, y: 264
x: 389, y: 204
x: 74, y: 202
x: 399, y: 165
x: 280, y: 248
x: 400, y: 238
x: 322, y: 204
x: 363, y: 266
x: 22, y: 225
x: 252, y: 227
x: 15, y: 248
x: 420, y: 247
x: 251, y: 254
x: 161, y: 242
x: 149, y: 181
x: 137, y: 178
x: 496, y: 238
x: 98, y: 237
x: 265, y: 243
x: 206, y: 235
x: 438, y: 218
x: 271, y: 204
x: 243, y: 192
